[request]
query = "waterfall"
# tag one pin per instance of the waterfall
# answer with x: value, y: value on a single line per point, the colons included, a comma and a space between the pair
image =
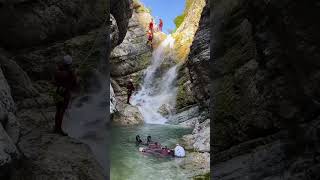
x: 157, y: 91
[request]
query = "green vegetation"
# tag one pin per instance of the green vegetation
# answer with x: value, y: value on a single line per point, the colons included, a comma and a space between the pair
x: 202, y: 177
x: 140, y: 8
x: 183, y: 97
x: 179, y: 19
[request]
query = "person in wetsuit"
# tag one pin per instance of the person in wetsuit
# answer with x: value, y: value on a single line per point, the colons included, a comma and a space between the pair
x: 65, y: 81
x: 130, y: 89
x: 138, y: 140
x: 149, y: 140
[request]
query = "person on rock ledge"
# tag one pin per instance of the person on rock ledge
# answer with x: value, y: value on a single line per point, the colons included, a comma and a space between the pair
x: 160, y: 25
x: 130, y: 88
x: 151, y: 28
x: 65, y: 81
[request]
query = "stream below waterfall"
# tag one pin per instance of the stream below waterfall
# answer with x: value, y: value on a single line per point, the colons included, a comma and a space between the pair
x: 127, y: 163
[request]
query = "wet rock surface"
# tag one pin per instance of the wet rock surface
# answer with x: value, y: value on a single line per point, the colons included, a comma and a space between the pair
x: 128, y: 115
x: 128, y: 59
x: 41, y: 33
x: 265, y: 83
x: 32, y: 23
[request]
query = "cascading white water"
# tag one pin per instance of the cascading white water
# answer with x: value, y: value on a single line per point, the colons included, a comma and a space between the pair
x: 157, y: 91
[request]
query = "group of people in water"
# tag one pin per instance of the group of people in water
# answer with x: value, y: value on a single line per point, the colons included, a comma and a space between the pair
x: 152, y: 29
x: 155, y: 148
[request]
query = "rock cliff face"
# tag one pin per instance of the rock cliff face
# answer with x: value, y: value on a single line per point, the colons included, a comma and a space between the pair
x: 122, y: 12
x: 34, y: 36
x: 266, y: 89
x: 198, y: 60
x: 31, y: 23
x: 128, y: 60
x: 184, y: 35
x: 197, y: 71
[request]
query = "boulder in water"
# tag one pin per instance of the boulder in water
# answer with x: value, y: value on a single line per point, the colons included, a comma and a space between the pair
x: 165, y: 110
x: 128, y: 115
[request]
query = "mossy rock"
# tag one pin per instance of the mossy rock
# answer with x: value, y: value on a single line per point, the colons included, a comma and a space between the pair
x: 145, y: 61
x: 179, y: 19
x: 202, y: 177
x: 184, y: 99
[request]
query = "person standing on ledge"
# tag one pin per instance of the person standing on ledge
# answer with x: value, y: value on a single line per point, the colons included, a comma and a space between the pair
x: 130, y: 88
x: 66, y: 81
x: 151, y: 26
x: 160, y: 25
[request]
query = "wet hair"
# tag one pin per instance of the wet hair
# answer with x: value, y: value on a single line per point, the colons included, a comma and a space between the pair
x: 149, y: 139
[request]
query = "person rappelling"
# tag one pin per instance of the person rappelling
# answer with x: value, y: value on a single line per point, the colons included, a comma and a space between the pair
x: 65, y: 81
x: 150, y: 38
x: 130, y: 89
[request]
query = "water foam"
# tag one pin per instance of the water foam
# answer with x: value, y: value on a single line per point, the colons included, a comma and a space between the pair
x: 157, y: 92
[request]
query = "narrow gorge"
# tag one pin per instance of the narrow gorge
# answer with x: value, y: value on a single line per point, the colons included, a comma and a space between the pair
x: 171, y: 101
x: 265, y: 85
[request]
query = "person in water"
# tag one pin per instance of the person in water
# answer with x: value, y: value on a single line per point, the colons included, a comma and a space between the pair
x: 166, y: 151
x: 130, y: 88
x: 149, y: 140
x: 138, y: 140
x: 65, y: 81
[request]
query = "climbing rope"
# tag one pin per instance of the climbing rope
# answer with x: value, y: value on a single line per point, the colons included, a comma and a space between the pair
x: 94, y: 43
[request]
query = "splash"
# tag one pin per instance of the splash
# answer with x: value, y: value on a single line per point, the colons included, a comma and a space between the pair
x: 157, y: 90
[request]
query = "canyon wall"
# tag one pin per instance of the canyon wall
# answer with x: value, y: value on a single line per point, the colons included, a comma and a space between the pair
x: 265, y: 82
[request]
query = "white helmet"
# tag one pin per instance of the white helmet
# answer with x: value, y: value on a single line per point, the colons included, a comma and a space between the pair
x: 67, y: 60
x: 179, y: 151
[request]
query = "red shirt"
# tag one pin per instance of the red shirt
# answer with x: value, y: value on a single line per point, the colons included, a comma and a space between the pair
x: 151, y: 25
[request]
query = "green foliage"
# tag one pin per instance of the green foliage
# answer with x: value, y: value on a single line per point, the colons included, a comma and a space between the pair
x: 179, y: 19
x: 140, y: 8
x: 143, y: 9
x: 202, y: 177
